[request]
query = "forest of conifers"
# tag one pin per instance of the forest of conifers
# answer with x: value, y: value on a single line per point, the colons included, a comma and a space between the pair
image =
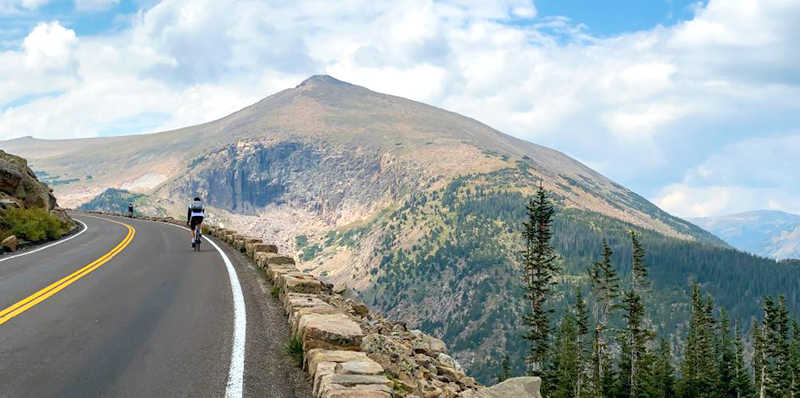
x: 470, y: 257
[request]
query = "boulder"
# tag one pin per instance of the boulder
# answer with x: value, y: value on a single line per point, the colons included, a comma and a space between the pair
x: 300, y: 283
x: 18, y: 181
x: 322, y: 370
x: 361, y: 309
x: 250, y: 245
x: 344, y: 385
x: 316, y: 356
x: 297, y: 312
x: 247, y: 240
x: 10, y: 177
x: 10, y: 243
x: 294, y: 301
x: 274, y: 272
x: 266, y: 248
x: 361, y: 367
x: 278, y: 259
x: 7, y: 203
x: 332, y: 332
x: 428, y: 345
x: 518, y: 387
x: 61, y: 215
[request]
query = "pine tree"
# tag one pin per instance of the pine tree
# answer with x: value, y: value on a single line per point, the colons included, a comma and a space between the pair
x: 775, y: 353
x: 562, y: 377
x: 726, y: 357
x: 605, y: 286
x: 794, y: 356
x: 639, y: 271
x: 741, y: 377
x: 633, y: 364
x: 698, y: 369
x: 540, y: 271
x: 582, y: 325
x: 663, y: 372
x: 505, y: 372
x: 758, y: 360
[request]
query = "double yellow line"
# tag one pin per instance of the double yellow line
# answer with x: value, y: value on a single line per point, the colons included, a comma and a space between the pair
x: 36, y: 298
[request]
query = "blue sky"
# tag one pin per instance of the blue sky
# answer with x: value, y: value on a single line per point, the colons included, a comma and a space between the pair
x: 694, y: 105
x: 613, y: 17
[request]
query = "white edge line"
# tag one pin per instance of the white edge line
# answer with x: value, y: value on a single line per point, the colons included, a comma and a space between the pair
x: 50, y: 245
x: 235, y: 386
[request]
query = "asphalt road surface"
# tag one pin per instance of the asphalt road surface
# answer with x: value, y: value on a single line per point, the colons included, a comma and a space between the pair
x: 127, y: 309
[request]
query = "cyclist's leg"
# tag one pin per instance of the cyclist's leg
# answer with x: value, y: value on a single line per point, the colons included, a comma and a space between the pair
x: 192, y: 226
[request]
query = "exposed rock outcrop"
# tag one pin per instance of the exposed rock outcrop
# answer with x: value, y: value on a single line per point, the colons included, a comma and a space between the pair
x: 10, y: 243
x: 18, y: 184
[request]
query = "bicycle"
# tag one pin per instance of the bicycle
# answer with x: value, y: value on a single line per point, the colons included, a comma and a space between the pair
x: 198, y: 233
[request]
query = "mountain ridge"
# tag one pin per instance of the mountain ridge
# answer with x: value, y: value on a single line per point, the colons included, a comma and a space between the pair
x: 322, y: 107
x: 768, y: 233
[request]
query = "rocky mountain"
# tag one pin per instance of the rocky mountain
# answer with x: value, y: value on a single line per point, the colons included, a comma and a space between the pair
x: 767, y: 233
x: 19, y: 186
x: 417, y: 208
x: 28, y: 208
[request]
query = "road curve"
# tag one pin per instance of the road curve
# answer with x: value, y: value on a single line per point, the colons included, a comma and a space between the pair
x: 153, y: 319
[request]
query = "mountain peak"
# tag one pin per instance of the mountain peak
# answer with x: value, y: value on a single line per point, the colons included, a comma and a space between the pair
x: 322, y: 80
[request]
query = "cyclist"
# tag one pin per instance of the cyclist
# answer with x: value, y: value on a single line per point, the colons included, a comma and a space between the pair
x: 197, y: 210
x: 130, y: 210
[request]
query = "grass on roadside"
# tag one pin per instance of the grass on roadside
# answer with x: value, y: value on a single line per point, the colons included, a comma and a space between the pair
x: 33, y: 225
x: 294, y: 348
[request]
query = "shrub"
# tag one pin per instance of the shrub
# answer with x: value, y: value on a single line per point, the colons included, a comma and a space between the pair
x: 294, y: 348
x: 275, y: 291
x: 206, y: 230
x: 34, y: 225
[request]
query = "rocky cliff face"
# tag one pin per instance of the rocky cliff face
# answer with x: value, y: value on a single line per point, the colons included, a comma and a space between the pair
x: 334, y: 183
x: 20, y: 187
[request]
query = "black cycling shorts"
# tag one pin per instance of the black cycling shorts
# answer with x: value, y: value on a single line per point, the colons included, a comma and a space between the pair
x: 194, y: 221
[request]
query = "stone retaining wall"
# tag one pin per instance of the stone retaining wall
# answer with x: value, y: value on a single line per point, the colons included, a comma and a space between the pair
x: 350, y: 352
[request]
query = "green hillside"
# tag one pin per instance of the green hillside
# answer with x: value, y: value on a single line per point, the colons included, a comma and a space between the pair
x: 115, y: 201
x: 461, y: 278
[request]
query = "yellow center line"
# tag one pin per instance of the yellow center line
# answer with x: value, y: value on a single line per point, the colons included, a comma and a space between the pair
x: 36, y: 298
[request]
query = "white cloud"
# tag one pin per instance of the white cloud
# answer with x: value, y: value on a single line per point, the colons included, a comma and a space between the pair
x: 664, y: 100
x: 50, y: 46
x: 754, y: 173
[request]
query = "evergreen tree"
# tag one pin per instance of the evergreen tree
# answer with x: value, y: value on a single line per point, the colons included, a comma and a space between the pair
x: 562, y: 377
x: 540, y: 271
x: 794, y: 356
x: 605, y: 286
x: 698, y: 369
x: 663, y: 372
x: 775, y: 366
x: 758, y: 360
x: 726, y: 357
x: 639, y: 272
x: 582, y: 325
x: 741, y: 378
x: 505, y: 369
x: 634, y: 362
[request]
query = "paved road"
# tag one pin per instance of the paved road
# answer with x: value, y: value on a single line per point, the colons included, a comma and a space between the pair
x: 131, y: 311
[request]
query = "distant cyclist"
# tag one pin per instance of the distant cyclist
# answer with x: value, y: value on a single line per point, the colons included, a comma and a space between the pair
x: 130, y: 210
x: 197, y: 210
